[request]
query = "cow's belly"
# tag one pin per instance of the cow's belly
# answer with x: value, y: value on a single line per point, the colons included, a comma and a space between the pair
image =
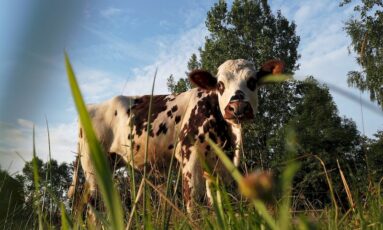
x: 159, y: 153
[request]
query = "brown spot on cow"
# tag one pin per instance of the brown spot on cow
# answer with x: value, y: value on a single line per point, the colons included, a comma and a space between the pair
x: 212, y: 137
x: 178, y: 119
x: 162, y: 129
x: 201, y: 138
x: 174, y: 108
x: 186, y: 189
x: 140, y: 110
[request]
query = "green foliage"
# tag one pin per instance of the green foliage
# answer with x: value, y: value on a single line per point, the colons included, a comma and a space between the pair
x: 374, y: 151
x: 58, y: 184
x: 11, y: 200
x: 248, y: 30
x: 365, y: 32
x: 54, y: 186
x: 182, y: 85
x: 320, y: 132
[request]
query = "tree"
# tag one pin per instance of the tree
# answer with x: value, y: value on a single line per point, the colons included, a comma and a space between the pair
x: 365, y: 32
x: 11, y: 201
x: 320, y: 132
x: 250, y: 31
x: 180, y: 86
x: 375, y: 156
x: 55, y: 180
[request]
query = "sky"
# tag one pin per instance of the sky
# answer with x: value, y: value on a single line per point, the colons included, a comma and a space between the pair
x: 115, y: 48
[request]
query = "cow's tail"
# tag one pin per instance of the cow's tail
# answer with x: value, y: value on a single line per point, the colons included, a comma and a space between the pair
x: 72, y: 188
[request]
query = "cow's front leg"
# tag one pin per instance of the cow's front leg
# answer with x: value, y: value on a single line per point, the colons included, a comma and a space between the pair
x: 236, y: 132
x: 193, y: 180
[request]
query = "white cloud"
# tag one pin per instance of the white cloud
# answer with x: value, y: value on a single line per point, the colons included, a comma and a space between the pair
x: 25, y: 123
x: 110, y: 12
x: 97, y: 85
x: 17, y: 141
x: 115, y: 47
x: 172, y: 59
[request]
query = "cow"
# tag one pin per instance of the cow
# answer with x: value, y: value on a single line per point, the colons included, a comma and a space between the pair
x: 180, y: 124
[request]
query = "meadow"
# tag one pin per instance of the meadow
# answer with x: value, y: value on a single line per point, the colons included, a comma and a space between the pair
x: 257, y: 201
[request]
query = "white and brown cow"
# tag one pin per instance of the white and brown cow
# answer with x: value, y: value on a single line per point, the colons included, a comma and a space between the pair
x: 180, y: 124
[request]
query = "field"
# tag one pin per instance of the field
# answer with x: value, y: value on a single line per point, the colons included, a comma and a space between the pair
x: 257, y: 201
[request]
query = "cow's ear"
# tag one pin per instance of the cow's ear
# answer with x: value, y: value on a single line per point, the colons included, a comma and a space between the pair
x: 203, y: 79
x: 273, y: 67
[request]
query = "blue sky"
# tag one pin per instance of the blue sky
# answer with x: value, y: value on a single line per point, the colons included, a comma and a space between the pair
x: 115, y: 47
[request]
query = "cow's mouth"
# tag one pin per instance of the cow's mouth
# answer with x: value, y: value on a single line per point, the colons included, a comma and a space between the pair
x: 238, y: 112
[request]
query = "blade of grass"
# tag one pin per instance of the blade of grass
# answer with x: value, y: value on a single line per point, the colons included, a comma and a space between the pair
x: 48, y: 175
x: 226, y: 161
x: 165, y: 220
x: 173, y: 205
x: 331, y: 189
x: 346, y: 187
x: 147, y: 144
x: 132, y: 213
x: 36, y: 182
x: 284, y: 219
x: 260, y: 206
x: 132, y: 171
x: 275, y: 78
x: 103, y: 173
x: 262, y: 210
x: 65, y: 222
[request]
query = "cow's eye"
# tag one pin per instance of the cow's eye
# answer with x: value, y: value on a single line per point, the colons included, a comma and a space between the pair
x: 221, y: 87
x: 252, y: 83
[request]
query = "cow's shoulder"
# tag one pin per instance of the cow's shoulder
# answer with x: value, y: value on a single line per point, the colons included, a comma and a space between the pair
x: 205, y: 120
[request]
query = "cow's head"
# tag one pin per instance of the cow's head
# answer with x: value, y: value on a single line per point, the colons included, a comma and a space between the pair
x: 236, y: 83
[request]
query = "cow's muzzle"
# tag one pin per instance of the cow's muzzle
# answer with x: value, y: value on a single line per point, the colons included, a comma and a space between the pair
x: 238, y: 111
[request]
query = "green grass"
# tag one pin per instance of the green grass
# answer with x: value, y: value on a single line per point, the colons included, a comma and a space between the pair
x: 104, y: 176
x: 232, y: 209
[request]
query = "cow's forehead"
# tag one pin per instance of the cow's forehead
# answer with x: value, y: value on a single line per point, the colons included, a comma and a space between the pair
x: 235, y: 70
